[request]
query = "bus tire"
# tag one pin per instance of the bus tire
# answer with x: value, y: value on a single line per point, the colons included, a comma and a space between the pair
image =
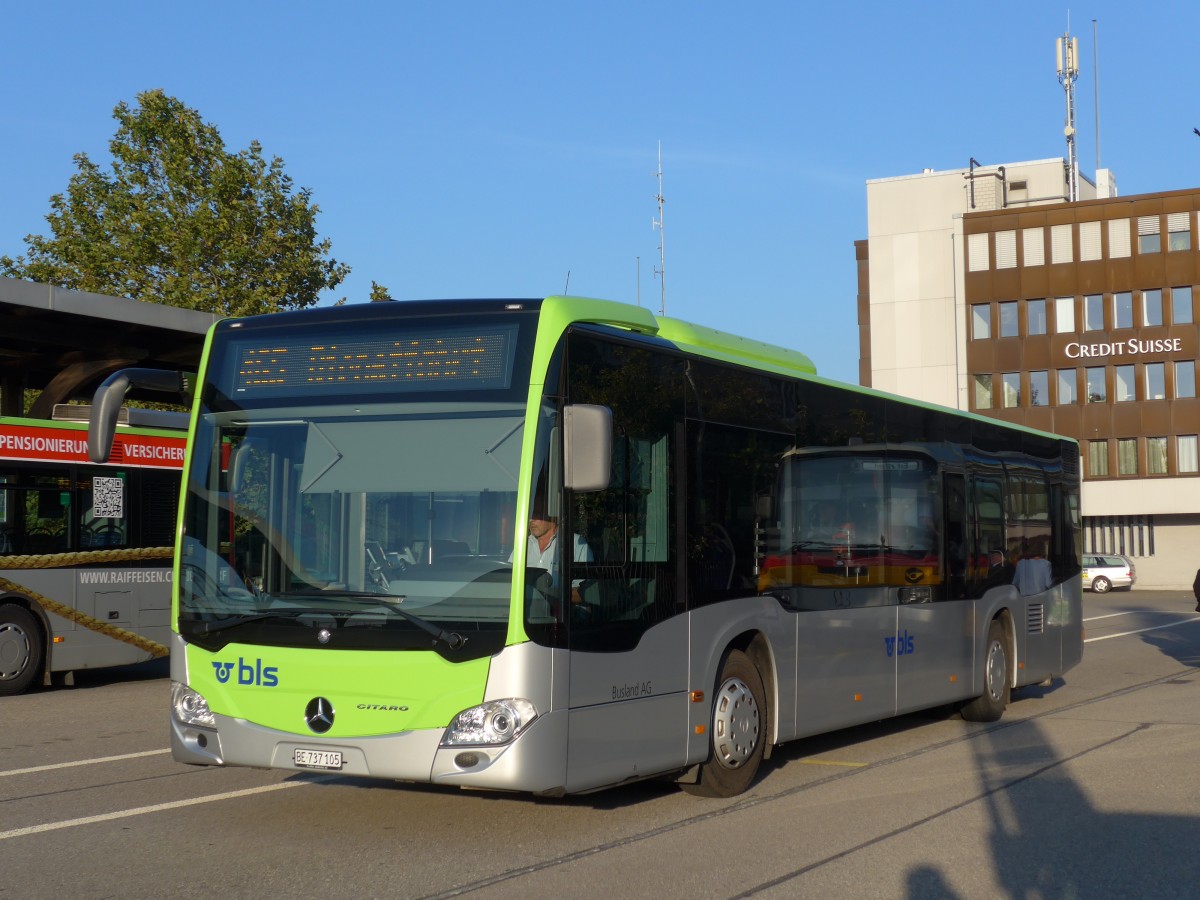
x: 20, y: 649
x: 737, y: 736
x: 997, y: 665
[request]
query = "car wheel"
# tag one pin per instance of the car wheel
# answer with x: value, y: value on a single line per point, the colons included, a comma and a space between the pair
x: 1101, y: 585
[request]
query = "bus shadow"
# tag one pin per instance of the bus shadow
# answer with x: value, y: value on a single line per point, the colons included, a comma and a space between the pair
x: 86, y: 679
x: 1047, y: 836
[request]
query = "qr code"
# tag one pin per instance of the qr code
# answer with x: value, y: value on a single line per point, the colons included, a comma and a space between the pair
x: 108, y: 498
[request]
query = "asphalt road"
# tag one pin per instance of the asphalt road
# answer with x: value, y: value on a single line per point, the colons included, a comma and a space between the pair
x: 1086, y: 788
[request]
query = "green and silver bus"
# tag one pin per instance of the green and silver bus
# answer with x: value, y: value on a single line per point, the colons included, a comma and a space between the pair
x: 563, y: 544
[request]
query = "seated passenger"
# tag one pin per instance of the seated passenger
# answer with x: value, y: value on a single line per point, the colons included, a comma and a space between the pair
x: 1033, y: 574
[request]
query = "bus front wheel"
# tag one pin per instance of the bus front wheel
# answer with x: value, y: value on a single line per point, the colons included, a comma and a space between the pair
x: 989, y: 706
x: 20, y: 649
x: 737, y: 733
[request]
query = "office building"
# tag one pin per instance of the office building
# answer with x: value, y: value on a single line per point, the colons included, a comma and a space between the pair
x: 987, y: 289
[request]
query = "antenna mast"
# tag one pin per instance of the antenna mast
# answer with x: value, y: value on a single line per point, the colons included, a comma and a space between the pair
x: 661, y: 271
x: 1067, y: 54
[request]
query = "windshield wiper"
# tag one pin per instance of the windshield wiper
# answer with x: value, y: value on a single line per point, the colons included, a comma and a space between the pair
x: 209, y: 626
x: 391, y: 602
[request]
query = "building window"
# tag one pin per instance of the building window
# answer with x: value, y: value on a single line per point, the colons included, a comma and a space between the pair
x: 1127, y: 456
x: 1093, y: 312
x: 981, y: 321
x: 1149, y: 240
x: 1123, y: 309
x: 1035, y: 316
x: 977, y: 252
x: 1068, y: 393
x: 1152, y: 307
x: 1156, y: 455
x: 1034, y: 244
x: 1156, y: 385
x: 1061, y: 250
x: 1008, y: 319
x: 1185, y: 454
x: 1098, y: 459
x: 983, y: 391
x: 1089, y: 241
x: 1006, y: 249
x: 1064, y: 315
x: 1129, y: 535
x: 1039, y: 388
x: 1181, y: 305
x: 1096, y: 392
x: 1012, y: 389
x: 1118, y: 238
x: 1179, y: 235
x: 1124, y: 383
x: 1185, y: 378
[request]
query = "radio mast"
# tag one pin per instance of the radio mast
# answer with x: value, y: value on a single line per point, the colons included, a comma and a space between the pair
x: 1067, y: 54
x: 661, y: 270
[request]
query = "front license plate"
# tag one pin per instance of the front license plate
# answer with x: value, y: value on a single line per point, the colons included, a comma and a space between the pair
x: 317, y: 759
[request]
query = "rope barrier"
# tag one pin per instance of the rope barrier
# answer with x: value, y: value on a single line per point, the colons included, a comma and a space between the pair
x: 81, y: 558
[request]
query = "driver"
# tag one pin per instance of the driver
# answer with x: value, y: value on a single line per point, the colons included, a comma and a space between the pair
x: 541, y: 552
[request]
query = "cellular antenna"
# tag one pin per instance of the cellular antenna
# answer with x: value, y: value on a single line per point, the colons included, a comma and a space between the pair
x: 1096, y: 86
x: 1067, y: 56
x: 661, y: 271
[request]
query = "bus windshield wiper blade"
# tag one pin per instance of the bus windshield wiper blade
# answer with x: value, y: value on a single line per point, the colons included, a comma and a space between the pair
x: 450, y: 639
x: 209, y: 626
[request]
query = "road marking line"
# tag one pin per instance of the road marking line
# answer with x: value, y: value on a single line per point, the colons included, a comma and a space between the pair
x: 84, y: 762
x: 832, y: 762
x: 1134, y: 612
x: 157, y: 807
x: 1105, y: 637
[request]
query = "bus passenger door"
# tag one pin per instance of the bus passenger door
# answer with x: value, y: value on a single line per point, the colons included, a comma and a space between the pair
x: 935, y: 629
x: 628, y: 708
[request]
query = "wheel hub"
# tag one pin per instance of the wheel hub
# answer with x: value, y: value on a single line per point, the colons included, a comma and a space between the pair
x: 735, y: 724
x: 14, y: 651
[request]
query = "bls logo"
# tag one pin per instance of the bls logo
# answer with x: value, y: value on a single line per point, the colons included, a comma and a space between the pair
x: 900, y: 645
x: 257, y: 674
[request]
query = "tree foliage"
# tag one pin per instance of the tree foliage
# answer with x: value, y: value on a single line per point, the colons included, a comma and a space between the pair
x: 180, y: 220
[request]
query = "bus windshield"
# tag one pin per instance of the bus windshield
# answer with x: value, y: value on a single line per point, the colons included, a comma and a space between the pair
x: 377, y: 523
x: 357, y: 482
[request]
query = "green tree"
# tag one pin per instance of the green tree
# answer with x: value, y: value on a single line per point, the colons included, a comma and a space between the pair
x: 180, y: 220
x: 379, y: 294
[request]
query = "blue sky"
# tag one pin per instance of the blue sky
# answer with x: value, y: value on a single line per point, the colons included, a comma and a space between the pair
x: 487, y: 149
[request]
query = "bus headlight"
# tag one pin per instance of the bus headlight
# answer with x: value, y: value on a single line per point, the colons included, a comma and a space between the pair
x: 494, y: 722
x: 189, y: 707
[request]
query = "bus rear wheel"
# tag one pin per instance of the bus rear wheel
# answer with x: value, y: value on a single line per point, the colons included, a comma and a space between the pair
x: 737, y: 732
x: 20, y: 649
x: 989, y: 706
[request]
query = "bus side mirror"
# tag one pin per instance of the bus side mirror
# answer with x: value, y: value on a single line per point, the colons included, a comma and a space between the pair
x: 587, y: 447
x: 106, y: 404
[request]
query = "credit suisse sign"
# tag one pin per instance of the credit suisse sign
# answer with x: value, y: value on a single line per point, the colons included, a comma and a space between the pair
x: 1134, y: 347
x: 37, y: 443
